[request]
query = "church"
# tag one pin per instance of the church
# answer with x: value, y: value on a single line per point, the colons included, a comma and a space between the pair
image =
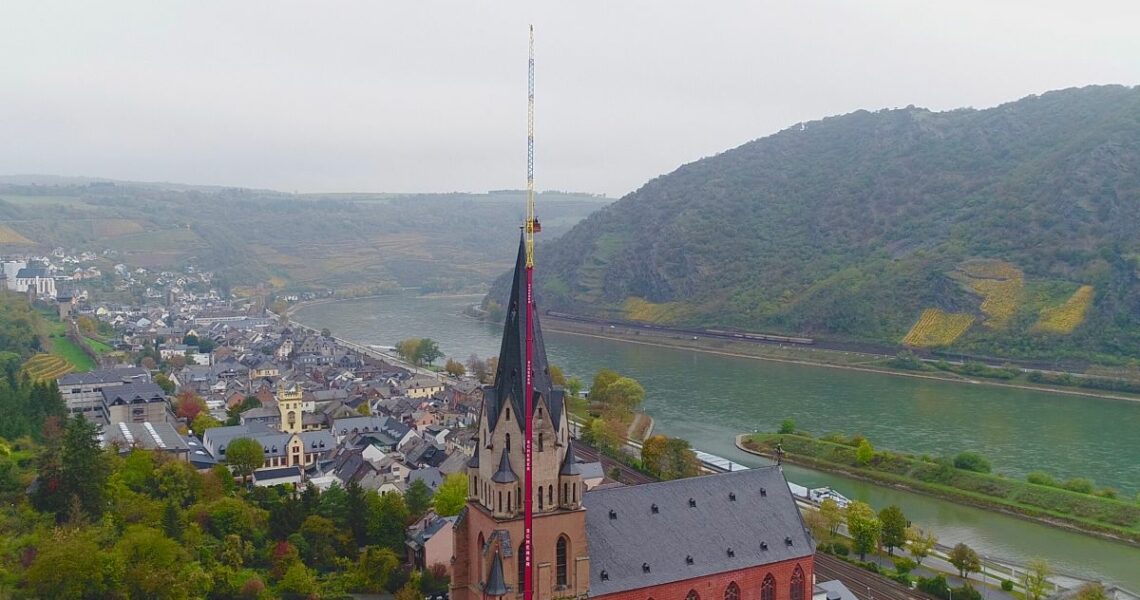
x: 731, y: 536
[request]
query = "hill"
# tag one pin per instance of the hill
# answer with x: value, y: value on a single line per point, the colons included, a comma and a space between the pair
x: 1007, y: 231
x: 292, y: 241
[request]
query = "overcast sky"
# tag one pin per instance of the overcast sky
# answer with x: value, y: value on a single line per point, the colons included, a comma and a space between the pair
x: 431, y: 96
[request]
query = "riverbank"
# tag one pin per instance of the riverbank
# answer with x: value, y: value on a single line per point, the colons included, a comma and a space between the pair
x: 1105, y: 518
x: 808, y: 356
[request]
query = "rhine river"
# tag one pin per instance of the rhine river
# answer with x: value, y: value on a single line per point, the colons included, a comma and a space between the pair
x: 708, y: 399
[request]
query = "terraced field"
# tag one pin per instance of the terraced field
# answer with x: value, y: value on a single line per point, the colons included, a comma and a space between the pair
x: 46, y: 367
x: 11, y: 236
x: 1000, y: 284
x: 937, y: 328
x: 639, y: 309
x: 1065, y: 318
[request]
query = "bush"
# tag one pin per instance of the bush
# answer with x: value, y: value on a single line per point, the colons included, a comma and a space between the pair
x: 935, y: 586
x: 823, y: 547
x: 905, y: 565
x: 840, y: 549
x: 1078, y: 485
x: 903, y: 578
x: 1041, y: 478
x: 872, y: 567
x: 788, y: 426
x: 972, y: 461
x: 967, y: 592
x: 1006, y: 585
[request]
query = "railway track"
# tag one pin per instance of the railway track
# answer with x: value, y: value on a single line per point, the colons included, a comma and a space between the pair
x: 864, y: 584
x: 627, y: 475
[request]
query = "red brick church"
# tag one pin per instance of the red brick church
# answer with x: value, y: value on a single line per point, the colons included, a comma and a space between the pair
x: 733, y: 536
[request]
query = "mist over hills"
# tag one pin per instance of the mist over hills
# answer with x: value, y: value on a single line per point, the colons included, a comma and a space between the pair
x: 1010, y: 231
x: 435, y: 242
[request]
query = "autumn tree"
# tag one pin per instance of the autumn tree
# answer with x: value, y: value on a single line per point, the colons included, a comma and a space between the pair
x: 455, y: 368
x: 556, y: 376
x: 920, y: 543
x: 863, y: 527
x: 894, y: 528
x: 244, y: 456
x: 574, y: 387
x: 451, y: 495
x: 188, y: 405
x: 163, y: 381
x: 832, y: 515
x: 1036, y: 579
x: 602, y: 380
x: 669, y: 458
x: 477, y: 367
x: 625, y: 393
x: 964, y: 559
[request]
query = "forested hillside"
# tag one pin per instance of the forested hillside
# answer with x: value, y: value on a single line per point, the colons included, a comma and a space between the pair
x: 1010, y: 231
x: 292, y: 241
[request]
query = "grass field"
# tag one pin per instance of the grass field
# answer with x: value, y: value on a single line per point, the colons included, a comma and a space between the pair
x: 72, y: 353
x: 97, y: 346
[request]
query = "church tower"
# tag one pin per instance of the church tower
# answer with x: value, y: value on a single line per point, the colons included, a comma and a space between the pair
x: 289, y: 401
x: 489, y: 532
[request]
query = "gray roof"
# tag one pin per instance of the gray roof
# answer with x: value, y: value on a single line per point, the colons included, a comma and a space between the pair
x: 390, y: 426
x: 429, y: 475
x: 505, y: 474
x: 697, y: 518
x: 835, y: 590
x: 276, y: 473
x: 133, y: 393
x: 273, y: 441
x: 30, y: 272
x: 104, y: 376
x: 152, y: 436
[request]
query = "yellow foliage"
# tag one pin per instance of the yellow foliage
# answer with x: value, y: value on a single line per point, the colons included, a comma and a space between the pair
x: 937, y: 328
x: 45, y: 367
x: 1066, y: 317
x: 999, y: 283
x: 108, y: 228
x: 640, y: 309
x: 11, y: 236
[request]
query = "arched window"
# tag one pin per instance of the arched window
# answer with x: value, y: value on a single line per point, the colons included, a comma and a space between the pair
x: 798, y: 584
x: 550, y: 495
x: 508, y: 442
x: 693, y: 595
x: 539, y: 498
x: 560, y: 552
x: 522, y: 566
x: 508, y: 413
x: 479, y: 549
x: 732, y: 592
x: 768, y: 588
x: 540, y: 442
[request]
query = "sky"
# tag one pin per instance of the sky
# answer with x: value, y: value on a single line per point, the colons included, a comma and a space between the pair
x: 430, y: 96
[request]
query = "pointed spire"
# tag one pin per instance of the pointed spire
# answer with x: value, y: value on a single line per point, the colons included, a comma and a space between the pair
x: 474, y: 461
x: 510, y: 376
x: 505, y: 474
x: 496, y: 584
x: 569, y: 462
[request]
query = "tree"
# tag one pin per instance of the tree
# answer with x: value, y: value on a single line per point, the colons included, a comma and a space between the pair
x: 964, y: 559
x: 408, y: 349
x: 427, y: 352
x: 1036, y: 579
x: 625, y: 393
x: 556, y: 376
x: 71, y: 566
x: 894, y: 528
x: 244, y: 456
x: 574, y: 387
x: 299, y: 582
x: 864, y: 453
x: 449, y: 499
x: 79, y: 476
x: 374, y: 569
x: 477, y: 367
x: 920, y: 543
x: 411, y: 589
x: 387, y: 517
x: 204, y: 421
x: 455, y: 368
x: 1094, y: 590
x: 325, y: 333
x: 788, y: 427
x: 188, y: 405
x: 601, y: 381
x: 164, y: 382
x: 817, y: 524
x: 863, y: 527
x: 156, y: 566
x: 972, y: 461
x: 418, y: 498
x: 832, y: 515
x: 324, y: 542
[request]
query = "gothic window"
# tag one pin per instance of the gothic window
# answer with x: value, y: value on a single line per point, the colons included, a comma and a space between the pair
x: 508, y: 501
x: 565, y: 493
x: 693, y: 595
x: 500, y: 501
x: 768, y: 588
x: 540, y: 442
x: 732, y: 592
x: 522, y: 566
x: 798, y: 584
x: 480, y: 551
x: 539, y: 498
x: 508, y: 413
x: 549, y: 495
x: 508, y: 442
x: 560, y: 552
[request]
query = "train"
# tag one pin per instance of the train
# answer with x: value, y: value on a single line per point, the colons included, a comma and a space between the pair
x: 716, y: 333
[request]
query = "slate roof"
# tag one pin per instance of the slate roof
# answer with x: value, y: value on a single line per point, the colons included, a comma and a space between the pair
x: 152, y: 436
x: 30, y: 272
x: 695, y: 517
x: 133, y: 393
x: 104, y: 376
x: 509, y: 377
x: 276, y: 473
x: 431, y: 477
x: 505, y: 474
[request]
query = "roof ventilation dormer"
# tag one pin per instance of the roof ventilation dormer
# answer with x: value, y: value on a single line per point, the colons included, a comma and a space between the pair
x: 692, y: 503
x: 764, y: 546
x: 653, y: 508
x: 732, y: 496
x: 689, y: 559
x: 644, y: 567
x: 763, y: 492
x: 731, y: 553
x: 605, y: 575
x: 788, y: 540
x: 613, y: 514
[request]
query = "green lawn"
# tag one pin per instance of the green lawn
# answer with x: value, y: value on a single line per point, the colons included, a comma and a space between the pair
x: 97, y: 346
x: 69, y: 351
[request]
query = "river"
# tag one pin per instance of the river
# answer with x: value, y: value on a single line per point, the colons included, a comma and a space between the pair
x: 708, y: 399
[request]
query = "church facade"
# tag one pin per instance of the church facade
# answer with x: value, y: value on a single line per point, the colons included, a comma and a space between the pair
x: 733, y: 536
